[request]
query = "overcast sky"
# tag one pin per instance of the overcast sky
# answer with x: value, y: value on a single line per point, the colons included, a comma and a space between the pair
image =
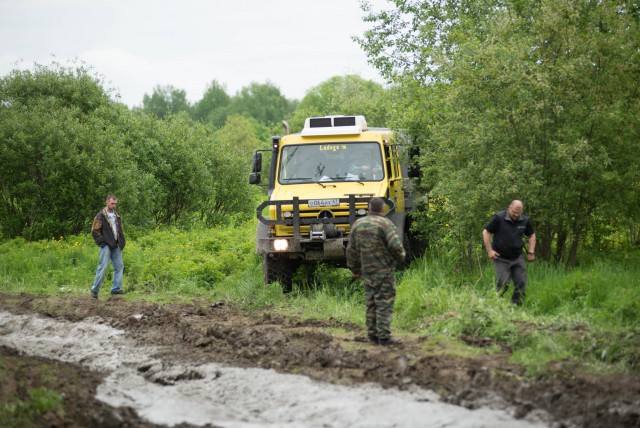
x: 138, y: 44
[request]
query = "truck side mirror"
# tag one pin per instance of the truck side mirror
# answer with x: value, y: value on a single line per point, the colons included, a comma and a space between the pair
x: 254, y: 178
x: 257, y: 162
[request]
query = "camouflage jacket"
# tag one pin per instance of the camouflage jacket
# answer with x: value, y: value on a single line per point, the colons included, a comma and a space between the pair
x: 374, y: 246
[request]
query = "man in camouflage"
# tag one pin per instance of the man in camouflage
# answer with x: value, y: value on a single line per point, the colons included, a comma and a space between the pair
x: 373, y: 252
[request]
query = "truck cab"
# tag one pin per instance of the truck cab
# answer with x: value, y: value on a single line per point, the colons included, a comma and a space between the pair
x: 320, y: 182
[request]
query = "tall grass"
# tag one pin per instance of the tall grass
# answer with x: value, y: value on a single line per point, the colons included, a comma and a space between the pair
x: 327, y: 292
x: 589, y: 314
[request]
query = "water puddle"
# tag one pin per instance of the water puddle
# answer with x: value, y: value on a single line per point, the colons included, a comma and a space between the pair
x: 168, y: 393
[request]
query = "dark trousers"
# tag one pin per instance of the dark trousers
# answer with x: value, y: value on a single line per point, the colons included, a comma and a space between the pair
x: 508, y: 270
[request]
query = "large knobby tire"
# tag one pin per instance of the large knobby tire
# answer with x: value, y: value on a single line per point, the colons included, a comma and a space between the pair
x: 278, y: 270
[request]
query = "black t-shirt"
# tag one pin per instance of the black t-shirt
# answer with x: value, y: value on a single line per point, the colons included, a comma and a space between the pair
x: 507, y: 234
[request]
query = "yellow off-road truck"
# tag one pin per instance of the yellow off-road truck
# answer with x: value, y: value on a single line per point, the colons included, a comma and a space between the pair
x: 320, y: 182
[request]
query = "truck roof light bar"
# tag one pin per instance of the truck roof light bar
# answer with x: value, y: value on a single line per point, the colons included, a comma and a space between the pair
x: 333, y: 125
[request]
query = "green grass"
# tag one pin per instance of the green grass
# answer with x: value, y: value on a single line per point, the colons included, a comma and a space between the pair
x: 589, y: 314
x: 19, y: 413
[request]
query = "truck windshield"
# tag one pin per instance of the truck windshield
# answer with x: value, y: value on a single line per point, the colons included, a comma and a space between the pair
x: 330, y: 162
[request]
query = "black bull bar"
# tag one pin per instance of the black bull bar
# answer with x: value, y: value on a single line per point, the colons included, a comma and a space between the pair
x: 296, y: 221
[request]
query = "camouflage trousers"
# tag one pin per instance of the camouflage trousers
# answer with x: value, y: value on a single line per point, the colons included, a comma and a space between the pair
x: 380, y: 294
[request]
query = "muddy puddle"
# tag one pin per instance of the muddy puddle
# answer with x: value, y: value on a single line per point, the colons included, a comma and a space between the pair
x: 167, y: 392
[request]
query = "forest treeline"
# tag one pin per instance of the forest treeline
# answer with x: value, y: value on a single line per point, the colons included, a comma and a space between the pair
x: 67, y: 143
x: 535, y: 100
x: 504, y: 99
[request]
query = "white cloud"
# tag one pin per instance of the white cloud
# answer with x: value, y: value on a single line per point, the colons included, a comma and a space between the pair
x: 137, y: 45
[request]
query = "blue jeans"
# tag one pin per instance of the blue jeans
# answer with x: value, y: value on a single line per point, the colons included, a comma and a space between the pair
x: 115, y: 256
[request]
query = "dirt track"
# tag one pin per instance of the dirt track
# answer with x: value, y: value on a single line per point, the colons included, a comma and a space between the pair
x: 323, y: 350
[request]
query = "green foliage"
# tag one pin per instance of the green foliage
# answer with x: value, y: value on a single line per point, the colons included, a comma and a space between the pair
x: 262, y: 101
x: 346, y: 95
x: 589, y: 314
x: 180, y: 169
x: 267, y: 107
x: 533, y: 101
x: 239, y: 135
x: 230, y: 165
x: 59, y: 147
x: 606, y: 292
x: 18, y: 413
x: 165, y: 101
x: 167, y: 261
x: 65, y: 146
x: 170, y: 261
x: 326, y: 292
x: 213, y: 107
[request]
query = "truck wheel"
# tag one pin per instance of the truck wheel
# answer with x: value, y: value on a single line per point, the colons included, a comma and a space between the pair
x: 278, y: 270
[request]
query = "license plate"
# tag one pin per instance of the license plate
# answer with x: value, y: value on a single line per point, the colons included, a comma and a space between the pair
x: 324, y: 202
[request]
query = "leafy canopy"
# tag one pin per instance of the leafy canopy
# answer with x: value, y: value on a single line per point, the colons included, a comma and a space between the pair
x: 65, y: 145
x: 527, y: 100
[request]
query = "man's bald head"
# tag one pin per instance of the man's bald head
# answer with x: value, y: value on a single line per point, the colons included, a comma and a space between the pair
x: 515, y: 209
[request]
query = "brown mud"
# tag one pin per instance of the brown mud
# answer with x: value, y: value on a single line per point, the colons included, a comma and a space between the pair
x: 325, y: 350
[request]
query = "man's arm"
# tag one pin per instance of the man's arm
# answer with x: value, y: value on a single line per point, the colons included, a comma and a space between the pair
x: 96, y: 230
x: 532, y: 247
x: 486, y: 237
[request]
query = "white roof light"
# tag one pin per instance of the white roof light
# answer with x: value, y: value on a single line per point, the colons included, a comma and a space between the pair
x: 334, y: 125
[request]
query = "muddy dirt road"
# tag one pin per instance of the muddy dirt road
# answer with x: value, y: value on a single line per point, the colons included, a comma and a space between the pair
x: 138, y: 357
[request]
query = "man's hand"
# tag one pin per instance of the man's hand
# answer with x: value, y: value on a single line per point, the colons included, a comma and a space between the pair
x: 531, y: 257
x: 493, y: 254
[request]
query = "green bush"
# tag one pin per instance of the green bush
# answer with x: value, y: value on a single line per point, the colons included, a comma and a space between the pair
x: 65, y: 145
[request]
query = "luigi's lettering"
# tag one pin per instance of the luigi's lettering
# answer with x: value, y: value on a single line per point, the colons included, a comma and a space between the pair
x: 332, y: 147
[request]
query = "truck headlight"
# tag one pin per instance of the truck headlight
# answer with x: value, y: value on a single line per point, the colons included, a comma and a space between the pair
x: 280, y: 245
x: 361, y: 211
x: 287, y: 214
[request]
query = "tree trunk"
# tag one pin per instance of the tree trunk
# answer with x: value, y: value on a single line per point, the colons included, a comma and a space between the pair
x: 561, y: 246
x: 573, y: 253
x: 633, y: 235
x: 545, y: 240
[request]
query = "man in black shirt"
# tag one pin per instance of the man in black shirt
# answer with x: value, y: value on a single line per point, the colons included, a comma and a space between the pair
x: 507, y: 228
